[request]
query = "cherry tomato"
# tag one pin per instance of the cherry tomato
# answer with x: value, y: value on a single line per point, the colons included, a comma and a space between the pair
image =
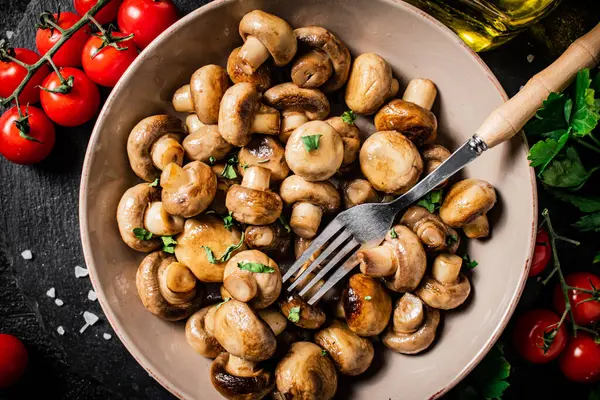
x: 146, y: 19
x: 76, y: 107
x: 69, y: 55
x: 585, y: 313
x: 580, y: 362
x: 542, y: 253
x: 13, y: 359
x: 107, y: 14
x: 18, y: 149
x: 528, y: 336
x: 106, y: 66
x: 12, y: 74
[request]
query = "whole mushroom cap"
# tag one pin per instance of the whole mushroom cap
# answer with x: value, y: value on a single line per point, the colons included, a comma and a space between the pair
x: 367, y: 305
x: 197, y: 336
x: 130, y: 215
x: 288, y: 96
x: 415, y: 122
x: 267, y: 152
x: 255, y: 386
x: 315, y: 164
x: 358, y: 191
x: 390, y: 162
x: 467, y: 200
x: 296, y: 189
x: 238, y: 108
x: 189, y: 190
x: 143, y: 136
x: 261, y: 78
x: 206, y: 142
x: 415, y: 342
x: 310, y: 317
x: 273, y: 32
x: 255, y: 206
x: 304, y: 373
x: 208, y: 85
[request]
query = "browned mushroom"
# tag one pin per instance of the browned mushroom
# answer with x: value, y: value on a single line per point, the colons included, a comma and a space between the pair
x: 300, y: 313
x: 159, y: 222
x: 269, y: 238
x: 351, y: 353
x: 266, y: 152
x: 130, y: 216
x: 358, y: 191
x: 252, y: 202
x: 350, y: 137
x: 327, y: 62
x: 431, y: 230
x: 433, y: 155
x: 192, y: 122
x: 261, y: 77
x: 189, y: 190
x: 167, y: 288
x: 154, y: 143
x: 207, y: 86
x: 200, y: 336
x: 367, y: 305
x: 400, y: 259
x: 237, y: 379
x: 206, y: 144
x: 446, y: 288
x: 272, y: 317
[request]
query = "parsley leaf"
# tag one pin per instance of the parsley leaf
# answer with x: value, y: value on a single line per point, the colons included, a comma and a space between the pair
x: 585, y: 116
x: 294, y: 314
x: 154, y: 184
x: 544, y: 151
x: 368, y: 298
x: 228, y: 221
x: 432, y: 201
x: 349, y: 117
x: 285, y: 224
x: 244, y: 166
x: 323, y: 353
x: 311, y: 142
x: 467, y: 262
x: 168, y: 244
x: 142, y: 234
x: 210, y: 255
x: 590, y: 222
x: 566, y: 171
x: 596, y: 258
x: 211, y: 160
x: 229, y: 172
x: 255, y: 267
x: 488, y: 380
x: 585, y: 204
x: 451, y: 239
x: 393, y: 233
x: 549, y: 121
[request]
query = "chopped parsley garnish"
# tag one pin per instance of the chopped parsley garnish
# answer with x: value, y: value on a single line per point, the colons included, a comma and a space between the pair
x: 467, y: 262
x: 393, y: 233
x: 451, y: 239
x: 432, y: 201
x: 168, y: 244
x: 211, y: 160
x: 154, y: 184
x: 368, y: 298
x: 228, y: 221
x: 311, y: 142
x: 226, y: 255
x: 294, y: 314
x: 142, y: 234
x: 255, y: 267
x: 285, y: 224
x: 349, y: 117
x: 323, y: 353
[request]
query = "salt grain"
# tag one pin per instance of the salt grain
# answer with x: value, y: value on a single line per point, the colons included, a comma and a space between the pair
x: 60, y: 330
x: 27, y: 255
x: 107, y: 336
x: 51, y: 293
x: 530, y: 58
x: 90, y: 319
x: 59, y: 302
x: 9, y: 34
x: 92, y: 296
x: 81, y: 272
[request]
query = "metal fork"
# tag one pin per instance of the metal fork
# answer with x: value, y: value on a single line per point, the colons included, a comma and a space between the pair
x: 366, y: 225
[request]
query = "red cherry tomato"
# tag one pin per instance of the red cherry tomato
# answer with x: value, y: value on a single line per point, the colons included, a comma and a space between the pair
x: 13, y: 359
x: 106, y: 66
x: 76, y: 107
x: 69, y: 55
x: 542, y: 253
x: 580, y: 362
x: 107, y: 14
x: 528, y: 336
x: 12, y: 74
x: 18, y: 149
x: 585, y: 313
x: 146, y: 19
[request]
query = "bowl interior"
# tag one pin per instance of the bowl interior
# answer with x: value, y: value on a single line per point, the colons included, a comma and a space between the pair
x: 416, y: 46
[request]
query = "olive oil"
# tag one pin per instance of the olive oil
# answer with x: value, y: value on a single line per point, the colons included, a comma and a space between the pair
x: 486, y: 24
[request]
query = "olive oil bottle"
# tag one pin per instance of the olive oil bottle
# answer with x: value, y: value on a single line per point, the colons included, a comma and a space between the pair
x: 485, y: 24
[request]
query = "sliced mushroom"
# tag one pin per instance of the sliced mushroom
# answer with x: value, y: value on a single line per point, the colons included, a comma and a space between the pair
x: 390, y: 162
x: 252, y: 202
x: 261, y: 77
x: 367, y: 305
x: 265, y: 35
x: 269, y: 238
x: 430, y: 229
x: 446, y: 288
x: 130, y: 216
x: 266, y: 152
x: 350, y: 137
x: 351, y: 353
x: 466, y: 205
x: 370, y: 84
x: 203, y: 236
x: 206, y: 144
x: 297, y: 106
x: 315, y: 151
x: 400, y: 259
x: 305, y: 373
x: 167, y: 288
x: 159, y: 222
x: 300, y: 313
x: 154, y: 143
x: 199, y: 337
x: 327, y: 62
x: 237, y: 379
x: 411, y: 116
x: 359, y: 191
x: 189, y: 190
x: 252, y: 277
x: 241, y: 114
x: 310, y: 200
x: 242, y: 333
x: 414, y: 341
x: 434, y: 155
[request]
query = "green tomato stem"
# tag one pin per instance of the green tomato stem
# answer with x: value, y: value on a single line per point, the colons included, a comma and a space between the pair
x: 586, y: 144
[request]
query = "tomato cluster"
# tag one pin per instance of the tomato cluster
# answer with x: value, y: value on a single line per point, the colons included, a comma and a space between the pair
x: 69, y: 95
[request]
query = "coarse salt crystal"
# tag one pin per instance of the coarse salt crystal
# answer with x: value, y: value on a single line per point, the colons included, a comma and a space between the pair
x: 530, y: 58
x: 59, y: 302
x: 9, y: 34
x: 27, y: 255
x: 60, y: 330
x: 81, y: 272
x: 107, y: 336
x: 90, y: 319
x: 92, y: 296
x: 51, y: 293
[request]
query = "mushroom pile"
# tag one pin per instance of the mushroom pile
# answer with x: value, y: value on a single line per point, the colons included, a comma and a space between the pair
x: 247, y: 178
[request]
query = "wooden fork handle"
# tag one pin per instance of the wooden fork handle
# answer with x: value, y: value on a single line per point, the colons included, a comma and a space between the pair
x: 508, y: 119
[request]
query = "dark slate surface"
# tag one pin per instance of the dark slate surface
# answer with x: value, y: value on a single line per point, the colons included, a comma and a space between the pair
x: 39, y: 213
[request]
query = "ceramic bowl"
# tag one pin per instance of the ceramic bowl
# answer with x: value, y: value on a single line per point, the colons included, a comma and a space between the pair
x: 416, y: 46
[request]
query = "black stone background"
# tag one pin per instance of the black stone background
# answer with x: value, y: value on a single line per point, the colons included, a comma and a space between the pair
x: 38, y: 211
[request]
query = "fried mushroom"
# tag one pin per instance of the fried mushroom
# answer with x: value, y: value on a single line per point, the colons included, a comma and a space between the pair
x: 358, y: 191
x: 266, y: 152
x: 367, y: 305
x: 189, y: 190
x: 130, y: 216
x: 430, y: 229
x: 159, y: 222
x: 238, y: 379
x: 269, y: 238
x: 206, y: 144
x: 261, y: 77
x: 200, y: 337
x: 300, y: 313
x: 350, y: 138
x: 446, y: 288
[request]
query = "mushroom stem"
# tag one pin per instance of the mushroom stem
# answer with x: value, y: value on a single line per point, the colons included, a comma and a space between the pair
x: 160, y: 223
x: 173, y: 176
x: 305, y: 219
x: 290, y: 121
x: 478, y: 228
x: 242, y: 286
x: 252, y: 55
x: 276, y: 321
x: 193, y: 123
x: 182, y: 99
x: 421, y: 92
x: 257, y: 178
x: 446, y: 268
x: 408, y: 314
x: 266, y: 121
x: 239, y: 367
x: 166, y: 150
x: 377, y: 261
x: 179, y: 278
x: 312, y: 69
x: 262, y: 236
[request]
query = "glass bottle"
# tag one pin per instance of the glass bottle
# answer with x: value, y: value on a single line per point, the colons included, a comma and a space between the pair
x: 486, y: 24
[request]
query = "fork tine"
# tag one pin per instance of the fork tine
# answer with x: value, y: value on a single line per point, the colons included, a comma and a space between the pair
x: 326, y: 252
x: 329, y: 266
x: 335, y: 278
x: 331, y: 229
